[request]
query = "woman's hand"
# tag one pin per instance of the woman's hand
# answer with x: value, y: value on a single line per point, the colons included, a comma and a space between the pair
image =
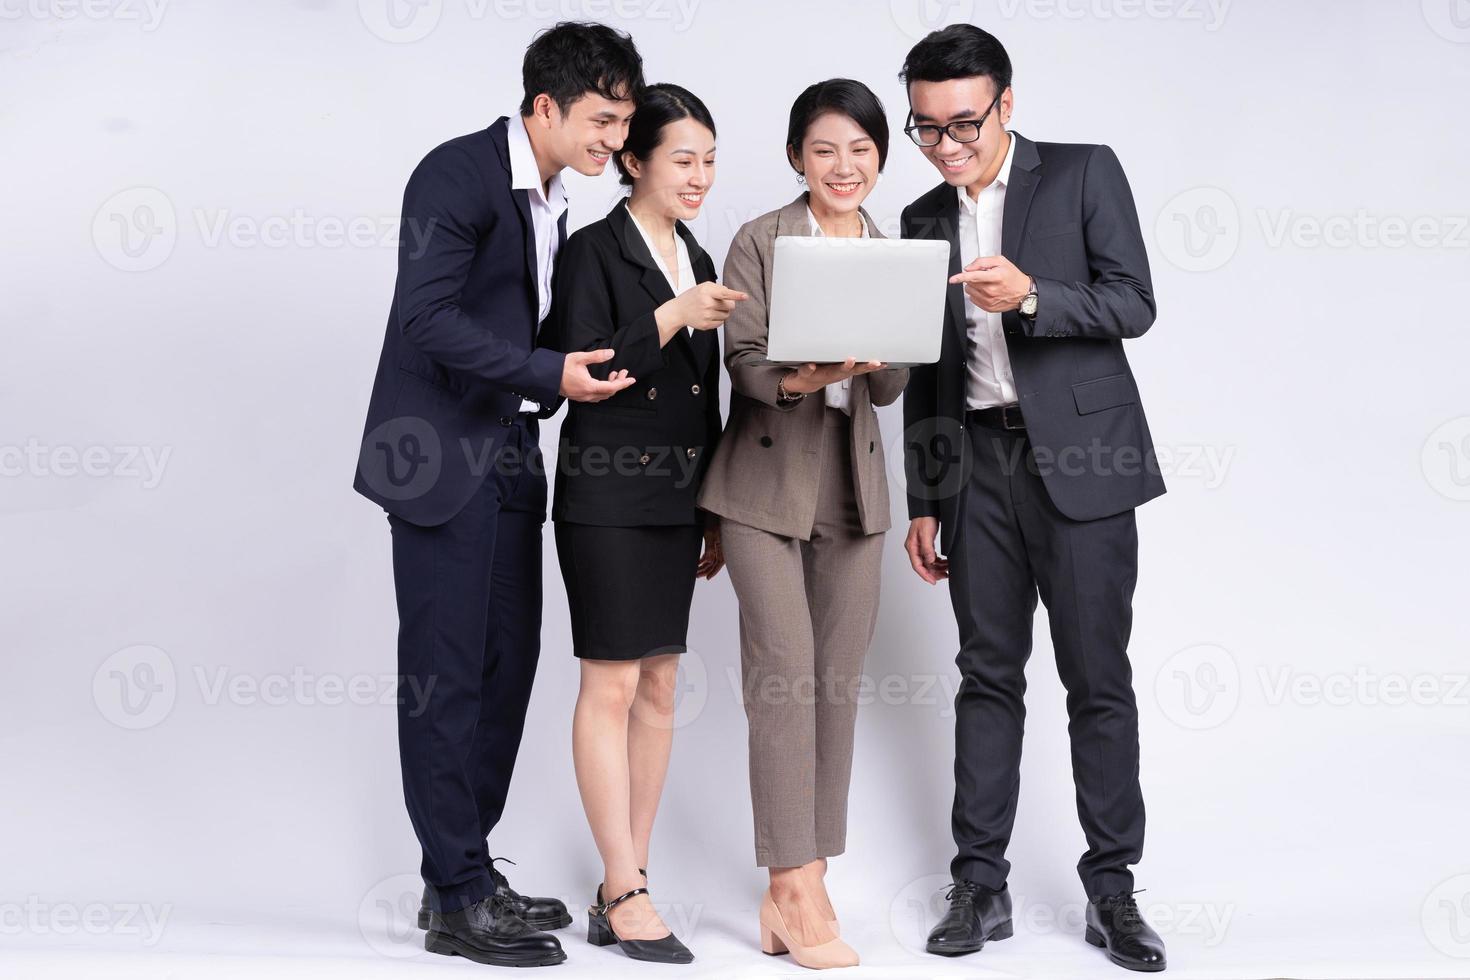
x: 713, y: 558
x: 705, y: 307
x: 814, y: 377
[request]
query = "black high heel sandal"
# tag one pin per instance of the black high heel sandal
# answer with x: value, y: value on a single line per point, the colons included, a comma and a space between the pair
x: 600, y: 933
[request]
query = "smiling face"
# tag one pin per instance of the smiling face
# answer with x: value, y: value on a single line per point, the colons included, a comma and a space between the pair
x: 586, y: 136
x: 677, y: 175
x: 963, y: 100
x: 840, y: 161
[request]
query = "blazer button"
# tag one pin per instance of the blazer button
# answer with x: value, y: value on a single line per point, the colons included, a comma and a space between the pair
x: 870, y: 447
x: 694, y: 389
x: 643, y: 460
x: 691, y: 453
x: 766, y: 441
x: 652, y: 393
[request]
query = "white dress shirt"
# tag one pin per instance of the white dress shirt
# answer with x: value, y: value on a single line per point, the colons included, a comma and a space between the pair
x: 548, y: 204
x: 685, y: 280
x: 839, y: 393
x: 988, y: 380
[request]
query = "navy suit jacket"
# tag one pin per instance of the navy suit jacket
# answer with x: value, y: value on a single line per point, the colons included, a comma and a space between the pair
x: 460, y: 349
x: 1069, y: 220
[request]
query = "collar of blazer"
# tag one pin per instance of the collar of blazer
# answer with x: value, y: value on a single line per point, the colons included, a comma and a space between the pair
x: 939, y: 210
x: 522, y: 198
x: 792, y: 220
x: 701, y: 346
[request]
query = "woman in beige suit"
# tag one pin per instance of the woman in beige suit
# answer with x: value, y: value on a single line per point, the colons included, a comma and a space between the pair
x: 800, y: 485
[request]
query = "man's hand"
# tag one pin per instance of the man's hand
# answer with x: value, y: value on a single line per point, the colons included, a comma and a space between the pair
x: 994, y: 284
x: 705, y: 307
x: 580, y: 386
x: 814, y: 377
x: 920, y: 546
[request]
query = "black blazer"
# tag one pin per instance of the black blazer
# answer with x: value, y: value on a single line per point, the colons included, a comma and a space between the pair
x: 1069, y: 220
x: 638, y: 457
x: 460, y: 349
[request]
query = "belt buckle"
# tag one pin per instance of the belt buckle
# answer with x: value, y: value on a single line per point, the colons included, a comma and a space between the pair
x: 1005, y: 418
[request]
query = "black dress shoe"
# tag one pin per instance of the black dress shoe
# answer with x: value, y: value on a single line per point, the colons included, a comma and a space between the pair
x: 976, y: 915
x: 490, y: 932
x: 1115, y: 924
x: 600, y: 933
x: 543, y: 913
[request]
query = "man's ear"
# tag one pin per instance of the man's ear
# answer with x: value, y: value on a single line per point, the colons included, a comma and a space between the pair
x: 544, y: 110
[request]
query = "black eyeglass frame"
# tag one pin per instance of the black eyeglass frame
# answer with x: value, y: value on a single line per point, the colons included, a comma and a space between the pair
x: 911, y: 129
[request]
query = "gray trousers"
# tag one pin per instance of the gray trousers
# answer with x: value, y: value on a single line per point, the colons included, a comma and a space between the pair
x: 807, y: 613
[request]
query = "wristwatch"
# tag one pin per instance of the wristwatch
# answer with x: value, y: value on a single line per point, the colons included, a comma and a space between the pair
x: 1028, y: 305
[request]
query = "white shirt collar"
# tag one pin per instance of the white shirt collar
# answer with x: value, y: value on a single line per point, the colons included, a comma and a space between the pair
x: 524, y: 174
x: 1002, y: 178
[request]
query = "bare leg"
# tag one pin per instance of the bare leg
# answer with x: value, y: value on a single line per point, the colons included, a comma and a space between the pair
x: 791, y: 890
x: 650, y: 738
x: 600, y: 756
x: 817, y: 871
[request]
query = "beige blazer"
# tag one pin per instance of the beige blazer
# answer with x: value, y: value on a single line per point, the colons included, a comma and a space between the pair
x: 766, y: 470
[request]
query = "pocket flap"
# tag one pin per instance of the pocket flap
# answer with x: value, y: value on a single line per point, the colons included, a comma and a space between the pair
x: 1109, y: 392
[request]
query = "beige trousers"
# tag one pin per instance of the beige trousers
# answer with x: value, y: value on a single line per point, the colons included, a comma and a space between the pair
x: 807, y: 613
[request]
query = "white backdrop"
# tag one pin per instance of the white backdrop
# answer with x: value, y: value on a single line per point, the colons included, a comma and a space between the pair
x: 199, y: 761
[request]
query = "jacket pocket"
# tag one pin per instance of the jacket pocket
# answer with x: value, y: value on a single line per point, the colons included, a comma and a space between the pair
x: 1110, y: 392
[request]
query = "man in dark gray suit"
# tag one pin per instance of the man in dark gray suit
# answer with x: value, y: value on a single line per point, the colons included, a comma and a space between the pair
x: 1026, y: 451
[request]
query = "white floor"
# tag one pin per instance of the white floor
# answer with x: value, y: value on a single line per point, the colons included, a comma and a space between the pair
x: 725, y: 946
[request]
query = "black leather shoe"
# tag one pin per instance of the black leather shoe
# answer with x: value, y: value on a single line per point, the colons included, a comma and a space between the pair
x: 543, y: 913
x: 976, y: 915
x: 600, y: 933
x: 490, y: 932
x: 1115, y: 924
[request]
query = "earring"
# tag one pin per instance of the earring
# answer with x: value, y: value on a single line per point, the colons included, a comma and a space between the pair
x: 800, y: 177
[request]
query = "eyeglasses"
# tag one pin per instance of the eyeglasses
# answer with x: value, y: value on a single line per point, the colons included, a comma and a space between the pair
x: 965, y: 131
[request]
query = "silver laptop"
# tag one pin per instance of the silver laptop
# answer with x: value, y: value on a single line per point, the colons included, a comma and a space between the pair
x: 874, y: 299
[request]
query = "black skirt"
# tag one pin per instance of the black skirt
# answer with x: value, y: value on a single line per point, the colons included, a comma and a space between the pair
x: 628, y: 588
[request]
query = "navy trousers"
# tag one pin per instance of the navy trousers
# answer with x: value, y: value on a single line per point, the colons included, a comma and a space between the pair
x: 1013, y: 543
x: 469, y: 636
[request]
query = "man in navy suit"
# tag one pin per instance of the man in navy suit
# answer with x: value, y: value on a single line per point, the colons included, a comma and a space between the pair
x: 1027, y: 452
x: 450, y: 452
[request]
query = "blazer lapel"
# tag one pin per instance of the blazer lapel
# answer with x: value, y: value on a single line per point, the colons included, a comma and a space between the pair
x: 948, y: 220
x: 1025, y: 175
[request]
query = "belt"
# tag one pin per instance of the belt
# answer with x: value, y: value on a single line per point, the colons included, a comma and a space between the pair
x: 1006, y: 417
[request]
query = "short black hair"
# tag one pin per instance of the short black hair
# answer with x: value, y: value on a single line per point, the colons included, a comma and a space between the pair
x: 658, y: 106
x: 573, y: 58
x: 851, y: 98
x: 958, y: 51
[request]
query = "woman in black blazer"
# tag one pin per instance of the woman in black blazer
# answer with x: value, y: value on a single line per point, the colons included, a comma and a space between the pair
x: 628, y: 532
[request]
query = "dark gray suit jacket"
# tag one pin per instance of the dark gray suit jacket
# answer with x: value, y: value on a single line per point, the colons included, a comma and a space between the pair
x: 1069, y: 220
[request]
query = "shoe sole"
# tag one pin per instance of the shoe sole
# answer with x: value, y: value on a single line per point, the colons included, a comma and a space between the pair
x: 438, y: 942
x: 1003, y: 931
x: 1095, y: 938
x: 560, y: 922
